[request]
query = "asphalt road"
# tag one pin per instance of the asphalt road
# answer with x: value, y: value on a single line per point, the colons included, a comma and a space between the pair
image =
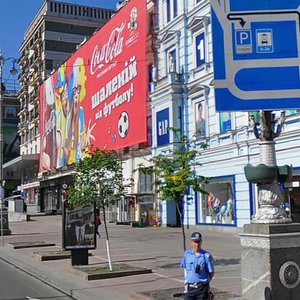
x: 17, y: 285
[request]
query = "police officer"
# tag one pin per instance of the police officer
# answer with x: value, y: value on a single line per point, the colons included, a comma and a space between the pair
x: 199, y: 270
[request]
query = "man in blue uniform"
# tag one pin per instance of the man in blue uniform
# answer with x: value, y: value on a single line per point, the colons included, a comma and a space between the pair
x: 199, y: 270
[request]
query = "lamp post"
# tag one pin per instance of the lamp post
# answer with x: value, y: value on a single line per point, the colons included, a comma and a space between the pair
x: 13, y: 71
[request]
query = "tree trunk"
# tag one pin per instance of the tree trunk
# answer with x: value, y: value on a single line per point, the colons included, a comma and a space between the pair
x: 178, y: 206
x: 107, y: 239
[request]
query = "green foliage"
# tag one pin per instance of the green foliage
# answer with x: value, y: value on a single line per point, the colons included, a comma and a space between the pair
x: 175, y: 171
x: 98, y: 179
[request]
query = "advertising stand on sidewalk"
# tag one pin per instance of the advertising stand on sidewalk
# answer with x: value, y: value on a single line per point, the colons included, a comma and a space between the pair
x: 79, y: 231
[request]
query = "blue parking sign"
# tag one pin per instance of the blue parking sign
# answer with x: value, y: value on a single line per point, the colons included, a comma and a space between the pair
x: 243, y: 41
x: 256, y: 54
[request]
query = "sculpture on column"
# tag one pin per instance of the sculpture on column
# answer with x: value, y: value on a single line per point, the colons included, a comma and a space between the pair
x: 171, y: 64
x: 267, y: 175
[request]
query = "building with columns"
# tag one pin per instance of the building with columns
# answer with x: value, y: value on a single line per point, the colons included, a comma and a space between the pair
x: 182, y: 96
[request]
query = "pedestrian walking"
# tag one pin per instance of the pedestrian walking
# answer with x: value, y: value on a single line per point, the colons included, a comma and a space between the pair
x: 98, y: 223
x: 198, y: 268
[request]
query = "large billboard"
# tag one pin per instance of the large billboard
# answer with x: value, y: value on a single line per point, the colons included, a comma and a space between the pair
x: 98, y: 96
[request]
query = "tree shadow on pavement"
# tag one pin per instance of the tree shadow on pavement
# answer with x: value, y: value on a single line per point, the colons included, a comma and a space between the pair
x: 177, y: 293
x: 217, y: 262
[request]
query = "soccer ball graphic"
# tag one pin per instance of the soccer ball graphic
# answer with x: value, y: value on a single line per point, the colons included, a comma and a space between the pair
x: 123, y: 125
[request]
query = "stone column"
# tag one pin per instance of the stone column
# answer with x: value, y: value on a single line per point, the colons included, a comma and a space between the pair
x: 269, y: 195
x: 270, y: 262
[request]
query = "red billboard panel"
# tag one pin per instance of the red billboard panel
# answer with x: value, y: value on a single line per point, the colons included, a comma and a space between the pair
x: 98, y: 96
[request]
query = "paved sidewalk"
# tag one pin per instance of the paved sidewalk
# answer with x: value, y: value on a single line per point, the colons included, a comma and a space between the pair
x: 157, y: 248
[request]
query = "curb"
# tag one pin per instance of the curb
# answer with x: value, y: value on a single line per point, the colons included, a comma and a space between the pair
x: 23, y: 245
x: 100, y: 276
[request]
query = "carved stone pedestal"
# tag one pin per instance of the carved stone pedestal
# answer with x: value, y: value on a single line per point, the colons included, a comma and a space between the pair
x: 271, y: 261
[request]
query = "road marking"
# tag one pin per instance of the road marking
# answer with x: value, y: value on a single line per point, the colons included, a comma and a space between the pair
x: 165, y: 276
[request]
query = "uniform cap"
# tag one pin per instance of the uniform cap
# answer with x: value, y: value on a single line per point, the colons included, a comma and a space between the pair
x: 196, y: 236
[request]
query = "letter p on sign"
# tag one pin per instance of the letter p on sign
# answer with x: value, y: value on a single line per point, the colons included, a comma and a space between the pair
x: 243, y: 37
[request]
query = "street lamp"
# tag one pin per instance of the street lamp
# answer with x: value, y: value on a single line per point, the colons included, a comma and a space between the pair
x: 13, y: 71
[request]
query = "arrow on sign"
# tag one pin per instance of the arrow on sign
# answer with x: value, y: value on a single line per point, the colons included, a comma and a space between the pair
x: 232, y: 17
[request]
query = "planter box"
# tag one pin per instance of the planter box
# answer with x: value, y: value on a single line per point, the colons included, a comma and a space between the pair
x: 102, y: 271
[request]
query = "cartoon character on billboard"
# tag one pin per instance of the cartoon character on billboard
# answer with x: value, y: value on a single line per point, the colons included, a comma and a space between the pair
x: 48, y: 149
x: 79, y: 136
x: 133, y: 24
x: 62, y: 112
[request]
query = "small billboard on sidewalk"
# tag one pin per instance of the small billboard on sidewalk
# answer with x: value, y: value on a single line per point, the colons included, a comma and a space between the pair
x: 78, y: 227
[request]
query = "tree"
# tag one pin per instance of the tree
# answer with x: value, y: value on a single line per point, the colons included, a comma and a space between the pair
x: 98, y: 180
x: 175, y: 174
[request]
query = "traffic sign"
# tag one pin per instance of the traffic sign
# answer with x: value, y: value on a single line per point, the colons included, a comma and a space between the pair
x: 256, y: 54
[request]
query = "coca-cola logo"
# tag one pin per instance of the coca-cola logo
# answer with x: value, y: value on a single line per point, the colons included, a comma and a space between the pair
x: 109, y: 51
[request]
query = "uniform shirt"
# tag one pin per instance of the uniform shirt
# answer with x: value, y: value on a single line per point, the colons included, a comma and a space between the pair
x: 190, y: 262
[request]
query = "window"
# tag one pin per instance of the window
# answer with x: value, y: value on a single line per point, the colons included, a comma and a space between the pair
x: 145, y: 182
x: 225, y: 121
x: 218, y: 205
x: 49, y: 64
x: 10, y: 112
x: 149, y: 131
x: 172, y: 9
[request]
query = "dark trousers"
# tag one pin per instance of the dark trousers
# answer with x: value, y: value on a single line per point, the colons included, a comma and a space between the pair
x: 200, y: 293
x: 97, y: 230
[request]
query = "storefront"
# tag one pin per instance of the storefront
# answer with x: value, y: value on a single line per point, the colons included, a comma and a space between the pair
x: 31, y: 194
x: 218, y: 206
x: 146, y: 209
x: 291, y: 196
x: 51, y: 191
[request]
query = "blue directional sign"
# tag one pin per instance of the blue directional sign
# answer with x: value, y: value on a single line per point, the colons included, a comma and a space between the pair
x: 256, y: 54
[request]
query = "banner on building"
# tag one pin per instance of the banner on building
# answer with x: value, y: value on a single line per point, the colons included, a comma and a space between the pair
x: 98, y: 96
x: 162, y: 127
x: 200, y: 124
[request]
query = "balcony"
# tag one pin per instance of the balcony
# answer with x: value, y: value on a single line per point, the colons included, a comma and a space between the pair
x: 172, y: 80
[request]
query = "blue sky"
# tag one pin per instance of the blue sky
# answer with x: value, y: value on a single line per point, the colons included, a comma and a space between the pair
x: 15, y: 17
